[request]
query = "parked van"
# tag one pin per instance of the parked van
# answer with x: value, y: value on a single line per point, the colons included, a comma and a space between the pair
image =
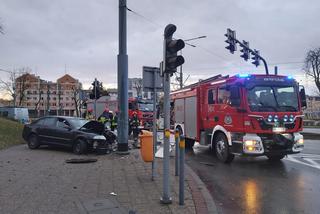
x: 19, y: 114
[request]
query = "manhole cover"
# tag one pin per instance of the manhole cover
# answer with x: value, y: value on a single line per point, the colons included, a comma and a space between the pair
x: 81, y: 160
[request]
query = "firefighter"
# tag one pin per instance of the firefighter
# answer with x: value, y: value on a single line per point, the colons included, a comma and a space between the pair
x: 105, y: 117
x: 102, y: 119
x: 89, y: 115
x: 114, y: 121
x: 134, y: 127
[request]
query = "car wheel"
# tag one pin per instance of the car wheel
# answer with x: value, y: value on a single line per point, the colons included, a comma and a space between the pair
x: 275, y: 158
x: 33, y: 142
x: 80, y: 147
x: 222, y: 148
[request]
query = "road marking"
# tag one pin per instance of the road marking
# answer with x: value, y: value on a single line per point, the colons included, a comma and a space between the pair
x: 305, y: 159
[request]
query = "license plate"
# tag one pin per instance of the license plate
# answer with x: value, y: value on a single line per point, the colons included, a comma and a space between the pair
x: 278, y: 129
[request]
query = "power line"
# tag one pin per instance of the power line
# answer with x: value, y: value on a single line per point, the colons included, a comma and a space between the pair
x: 143, y: 17
x: 157, y: 24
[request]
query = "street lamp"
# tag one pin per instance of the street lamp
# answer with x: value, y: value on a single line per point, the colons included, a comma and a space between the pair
x: 181, y: 74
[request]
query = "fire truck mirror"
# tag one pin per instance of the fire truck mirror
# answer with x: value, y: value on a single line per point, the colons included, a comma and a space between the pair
x: 302, y: 94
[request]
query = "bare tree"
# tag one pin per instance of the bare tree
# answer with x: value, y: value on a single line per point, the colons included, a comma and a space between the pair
x: 21, y: 84
x: 77, y: 99
x: 8, y: 86
x: 16, y: 85
x: 40, y: 92
x: 1, y: 29
x: 138, y: 87
x: 312, y: 66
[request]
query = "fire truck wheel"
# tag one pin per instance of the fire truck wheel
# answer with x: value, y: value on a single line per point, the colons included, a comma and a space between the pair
x: 275, y: 157
x: 222, y: 148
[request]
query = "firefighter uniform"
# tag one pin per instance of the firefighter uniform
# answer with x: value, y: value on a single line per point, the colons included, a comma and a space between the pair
x: 114, y: 122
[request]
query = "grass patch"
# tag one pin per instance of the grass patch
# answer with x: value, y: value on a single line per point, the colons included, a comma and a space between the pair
x: 10, y: 133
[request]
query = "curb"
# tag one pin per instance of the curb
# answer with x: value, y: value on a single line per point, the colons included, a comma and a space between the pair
x: 200, y: 187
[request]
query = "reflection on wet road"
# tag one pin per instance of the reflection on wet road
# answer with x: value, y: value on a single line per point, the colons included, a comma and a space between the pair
x: 255, y: 185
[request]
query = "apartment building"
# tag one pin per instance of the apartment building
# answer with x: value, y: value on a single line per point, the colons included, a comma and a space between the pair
x: 44, y: 97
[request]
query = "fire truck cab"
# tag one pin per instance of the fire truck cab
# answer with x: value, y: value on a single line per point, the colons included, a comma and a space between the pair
x: 247, y: 115
x: 144, y: 110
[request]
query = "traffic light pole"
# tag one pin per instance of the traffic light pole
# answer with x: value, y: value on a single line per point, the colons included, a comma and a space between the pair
x: 166, y: 199
x: 123, y: 81
x: 95, y: 99
x: 254, y: 53
x: 232, y: 41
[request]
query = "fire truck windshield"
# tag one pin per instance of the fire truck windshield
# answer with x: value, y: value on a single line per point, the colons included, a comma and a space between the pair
x: 273, y: 99
x: 145, y: 106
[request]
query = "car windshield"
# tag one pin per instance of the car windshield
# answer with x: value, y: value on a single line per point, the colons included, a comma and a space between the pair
x: 77, y: 122
x: 273, y: 99
x: 145, y: 106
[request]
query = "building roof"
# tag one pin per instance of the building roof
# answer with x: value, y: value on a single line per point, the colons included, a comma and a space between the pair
x: 67, y: 78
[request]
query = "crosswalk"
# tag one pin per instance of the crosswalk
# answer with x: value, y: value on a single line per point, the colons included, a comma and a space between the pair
x: 311, y: 160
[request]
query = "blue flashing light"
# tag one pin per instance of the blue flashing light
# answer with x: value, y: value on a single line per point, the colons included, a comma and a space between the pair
x: 290, y: 77
x: 244, y: 75
x: 291, y: 118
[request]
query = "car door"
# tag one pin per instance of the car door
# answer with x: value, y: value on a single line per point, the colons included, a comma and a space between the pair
x: 46, y: 131
x: 63, y: 133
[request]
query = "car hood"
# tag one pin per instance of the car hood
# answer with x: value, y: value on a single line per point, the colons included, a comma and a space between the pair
x: 94, y: 127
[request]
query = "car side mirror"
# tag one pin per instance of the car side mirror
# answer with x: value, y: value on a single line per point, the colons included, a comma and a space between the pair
x: 302, y: 94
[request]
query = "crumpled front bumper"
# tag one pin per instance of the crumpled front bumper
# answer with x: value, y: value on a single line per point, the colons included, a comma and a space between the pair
x: 268, y: 144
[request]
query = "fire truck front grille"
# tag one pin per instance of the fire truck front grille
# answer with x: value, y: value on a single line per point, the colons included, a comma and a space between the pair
x: 276, y: 142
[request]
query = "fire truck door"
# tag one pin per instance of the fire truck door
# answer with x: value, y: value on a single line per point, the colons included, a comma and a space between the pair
x: 227, y: 113
x: 210, y: 115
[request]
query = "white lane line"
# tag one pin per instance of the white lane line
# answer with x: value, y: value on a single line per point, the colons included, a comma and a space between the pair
x: 292, y: 159
x: 312, y: 162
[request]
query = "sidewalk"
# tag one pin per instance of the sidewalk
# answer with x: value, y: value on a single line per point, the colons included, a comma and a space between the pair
x: 39, y: 181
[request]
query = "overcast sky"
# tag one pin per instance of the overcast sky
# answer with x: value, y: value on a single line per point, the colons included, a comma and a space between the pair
x: 46, y: 35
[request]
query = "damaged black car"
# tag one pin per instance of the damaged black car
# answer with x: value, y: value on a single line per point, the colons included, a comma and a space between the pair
x: 76, y: 133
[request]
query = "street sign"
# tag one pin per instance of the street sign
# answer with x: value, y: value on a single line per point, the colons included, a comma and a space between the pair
x: 148, y: 81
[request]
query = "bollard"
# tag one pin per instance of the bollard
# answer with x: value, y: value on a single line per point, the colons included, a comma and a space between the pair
x: 177, y: 139
x: 182, y: 145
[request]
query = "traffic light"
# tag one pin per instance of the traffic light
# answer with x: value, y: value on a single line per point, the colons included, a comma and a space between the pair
x: 171, y: 48
x: 256, y: 58
x: 231, y: 40
x: 96, y: 90
x: 245, y: 51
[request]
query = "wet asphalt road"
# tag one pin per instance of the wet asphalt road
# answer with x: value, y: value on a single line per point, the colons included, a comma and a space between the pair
x: 254, y: 185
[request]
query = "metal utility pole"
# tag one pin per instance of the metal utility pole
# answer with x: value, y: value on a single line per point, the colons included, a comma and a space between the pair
x: 95, y: 98
x: 166, y: 199
x: 123, y: 80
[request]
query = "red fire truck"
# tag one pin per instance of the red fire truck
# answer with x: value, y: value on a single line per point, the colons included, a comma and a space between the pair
x: 144, y: 110
x: 248, y: 115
